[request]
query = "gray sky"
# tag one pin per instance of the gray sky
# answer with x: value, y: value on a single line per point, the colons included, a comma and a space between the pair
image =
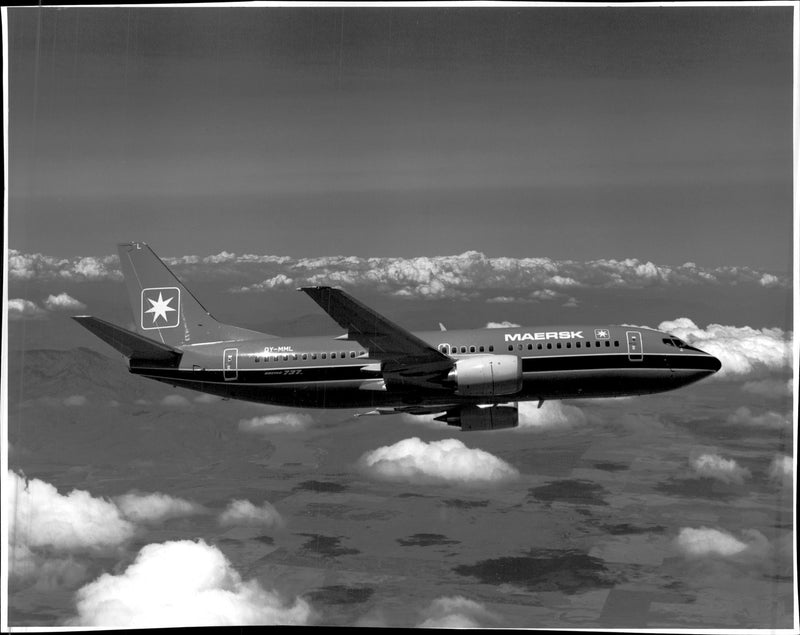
x: 657, y: 133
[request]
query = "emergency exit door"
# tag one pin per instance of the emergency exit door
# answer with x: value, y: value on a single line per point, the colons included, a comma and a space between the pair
x: 634, y: 346
x: 230, y: 362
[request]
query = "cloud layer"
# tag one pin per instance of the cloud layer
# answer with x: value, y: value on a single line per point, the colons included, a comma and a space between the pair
x: 456, y: 276
x: 743, y: 351
x: 446, y: 461
x: 182, y: 583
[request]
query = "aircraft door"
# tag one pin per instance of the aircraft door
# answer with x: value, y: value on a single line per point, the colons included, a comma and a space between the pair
x: 230, y: 364
x: 634, y: 346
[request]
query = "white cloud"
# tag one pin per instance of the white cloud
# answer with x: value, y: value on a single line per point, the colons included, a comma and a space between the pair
x: 182, y: 583
x: 448, y: 461
x: 207, y: 398
x: 714, y: 466
x: 154, y: 507
x: 770, y: 419
x: 768, y: 280
x: 552, y: 415
x: 177, y: 401
x: 769, y: 387
x: 279, y: 421
x: 505, y: 324
x: 19, y: 309
x: 63, y: 302
x: 75, y: 400
x: 455, y: 612
x: 743, y: 351
x: 41, y: 517
x: 243, y: 512
x: 706, y: 541
x: 782, y: 469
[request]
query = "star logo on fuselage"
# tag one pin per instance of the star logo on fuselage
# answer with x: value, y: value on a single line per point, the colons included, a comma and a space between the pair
x: 601, y: 334
x: 160, y: 307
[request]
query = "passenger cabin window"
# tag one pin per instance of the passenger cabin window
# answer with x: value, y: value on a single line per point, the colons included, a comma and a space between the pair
x: 324, y: 356
x: 511, y: 347
x: 352, y: 354
x: 539, y: 346
x: 305, y: 355
x: 285, y: 358
x: 472, y: 349
x: 549, y: 346
x: 480, y: 349
x: 530, y: 347
x: 608, y: 343
x: 569, y: 344
x: 577, y: 344
x: 616, y: 343
x: 463, y: 349
x: 313, y: 356
x: 597, y: 344
x: 258, y: 359
x: 491, y: 348
x: 558, y: 345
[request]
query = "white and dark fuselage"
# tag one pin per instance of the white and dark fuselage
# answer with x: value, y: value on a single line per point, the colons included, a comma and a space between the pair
x: 326, y: 372
x: 470, y: 375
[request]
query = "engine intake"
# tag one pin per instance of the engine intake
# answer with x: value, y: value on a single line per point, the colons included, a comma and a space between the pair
x: 487, y: 375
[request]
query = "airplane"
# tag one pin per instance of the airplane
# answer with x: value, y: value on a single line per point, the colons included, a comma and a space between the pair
x: 472, y: 379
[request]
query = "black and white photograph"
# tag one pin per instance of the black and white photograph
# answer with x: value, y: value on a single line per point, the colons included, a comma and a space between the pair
x: 444, y: 314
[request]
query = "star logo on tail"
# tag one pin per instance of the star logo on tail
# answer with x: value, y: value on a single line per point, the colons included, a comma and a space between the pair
x: 160, y: 307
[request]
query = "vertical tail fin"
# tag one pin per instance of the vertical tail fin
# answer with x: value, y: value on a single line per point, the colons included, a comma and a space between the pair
x: 164, y: 310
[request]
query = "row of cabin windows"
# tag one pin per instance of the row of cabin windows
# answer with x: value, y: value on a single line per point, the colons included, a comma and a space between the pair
x: 305, y: 356
x: 464, y: 349
x: 549, y: 345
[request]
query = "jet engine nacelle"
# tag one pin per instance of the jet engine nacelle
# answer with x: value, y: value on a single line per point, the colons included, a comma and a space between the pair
x: 483, y: 418
x: 487, y: 375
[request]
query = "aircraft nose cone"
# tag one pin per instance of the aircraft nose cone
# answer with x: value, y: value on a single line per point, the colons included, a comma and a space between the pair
x: 714, y: 364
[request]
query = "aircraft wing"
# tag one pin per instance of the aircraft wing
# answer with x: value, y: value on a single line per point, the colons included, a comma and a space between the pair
x: 400, y: 350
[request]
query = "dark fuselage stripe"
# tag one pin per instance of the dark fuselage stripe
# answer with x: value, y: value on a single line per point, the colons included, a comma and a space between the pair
x: 530, y: 365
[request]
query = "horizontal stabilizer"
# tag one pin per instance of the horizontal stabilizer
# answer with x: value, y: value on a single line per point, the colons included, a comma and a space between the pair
x: 126, y: 342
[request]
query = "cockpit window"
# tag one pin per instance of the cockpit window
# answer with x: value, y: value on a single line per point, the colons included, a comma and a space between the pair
x: 674, y: 341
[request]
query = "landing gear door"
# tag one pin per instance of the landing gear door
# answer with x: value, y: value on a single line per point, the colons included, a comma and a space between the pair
x: 634, y: 345
x: 230, y: 364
